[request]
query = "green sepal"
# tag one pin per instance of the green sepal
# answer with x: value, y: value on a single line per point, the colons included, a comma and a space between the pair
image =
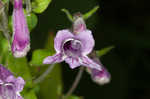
x: 85, y: 16
x: 90, y: 13
x: 104, y: 51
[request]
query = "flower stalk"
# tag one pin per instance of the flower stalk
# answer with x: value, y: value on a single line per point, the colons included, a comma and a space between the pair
x: 4, y: 20
x: 75, y: 83
x: 28, y: 6
x: 43, y: 76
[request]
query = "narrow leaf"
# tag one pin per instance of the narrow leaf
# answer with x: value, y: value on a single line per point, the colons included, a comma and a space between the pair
x: 90, y: 13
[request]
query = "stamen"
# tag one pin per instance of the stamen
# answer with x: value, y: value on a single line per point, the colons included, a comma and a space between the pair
x: 72, y: 47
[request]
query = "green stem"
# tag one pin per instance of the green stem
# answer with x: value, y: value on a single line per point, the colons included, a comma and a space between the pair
x: 75, y: 83
x: 1, y: 4
x: 28, y: 7
x: 42, y: 77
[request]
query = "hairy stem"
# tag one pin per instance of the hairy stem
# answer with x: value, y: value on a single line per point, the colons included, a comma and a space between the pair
x: 42, y: 77
x: 4, y: 21
x: 28, y: 6
x: 1, y: 4
x: 75, y: 83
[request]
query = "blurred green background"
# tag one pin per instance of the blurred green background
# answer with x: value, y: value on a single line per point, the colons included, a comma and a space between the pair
x: 122, y: 23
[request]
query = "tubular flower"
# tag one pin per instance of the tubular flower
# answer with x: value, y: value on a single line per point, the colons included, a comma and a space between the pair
x: 73, y: 47
x: 10, y: 87
x: 102, y: 76
x: 21, y: 38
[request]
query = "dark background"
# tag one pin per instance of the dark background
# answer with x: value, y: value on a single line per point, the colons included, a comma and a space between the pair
x: 122, y: 23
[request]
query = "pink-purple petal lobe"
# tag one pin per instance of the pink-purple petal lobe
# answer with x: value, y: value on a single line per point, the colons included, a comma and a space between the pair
x: 85, y: 61
x: 4, y: 73
x: 10, y: 87
x: 87, y: 41
x: 7, y: 92
x: 20, y: 84
x: 19, y: 97
x: 61, y: 36
x: 11, y: 79
x: 73, y: 62
x: 17, y: 4
x: 1, y: 81
x: 53, y: 59
x: 100, y: 77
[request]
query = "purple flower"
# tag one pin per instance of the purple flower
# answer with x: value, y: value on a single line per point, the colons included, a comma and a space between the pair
x: 21, y: 38
x: 102, y: 76
x: 10, y: 87
x: 73, y: 47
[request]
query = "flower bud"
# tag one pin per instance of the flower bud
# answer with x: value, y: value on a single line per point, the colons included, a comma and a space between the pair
x: 21, y: 38
x: 102, y: 76
x: 78, y: 24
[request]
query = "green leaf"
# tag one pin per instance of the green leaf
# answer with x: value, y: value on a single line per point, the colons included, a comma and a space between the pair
x: 104, y: 51
x: 4, y: 45
x: 38, y: 6
x: 51, y: 87
x: 4, y: 1
x: 31, y: 20
x: 4, y: 48
x: 38, y: 56
x: 10, y: 24
x: 19, y: 67
x: 74, y: 97
x: 29, y: 94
